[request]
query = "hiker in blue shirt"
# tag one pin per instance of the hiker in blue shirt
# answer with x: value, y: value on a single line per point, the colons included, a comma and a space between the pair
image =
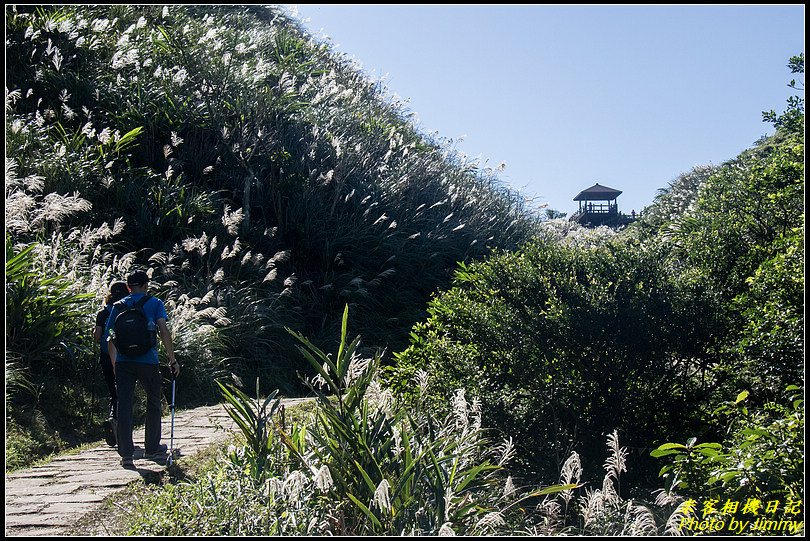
x: 142, y: 367
x: 117, y: 291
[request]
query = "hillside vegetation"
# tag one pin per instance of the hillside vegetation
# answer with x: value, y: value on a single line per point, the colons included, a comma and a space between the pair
x: 685, y: 327
x: 261, y: 180
x: 646, y: 331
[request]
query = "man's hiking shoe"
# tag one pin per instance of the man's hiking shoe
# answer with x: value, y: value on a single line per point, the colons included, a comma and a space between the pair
x: 127, y: 463
x: 159, y: 453
x: 109, y: 432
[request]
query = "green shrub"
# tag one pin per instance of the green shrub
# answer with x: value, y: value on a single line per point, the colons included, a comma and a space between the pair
x: 29, y: 438
x: 563, y: 341
x: 741, y: 236
x: 43, y: 314
x: 762, y: 457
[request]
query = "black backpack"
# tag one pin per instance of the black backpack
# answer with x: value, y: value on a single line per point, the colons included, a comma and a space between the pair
x: 132, y: 333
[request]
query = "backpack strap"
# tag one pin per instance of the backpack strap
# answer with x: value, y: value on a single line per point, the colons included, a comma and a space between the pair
x: 122, y: 304
x: 142, y: 302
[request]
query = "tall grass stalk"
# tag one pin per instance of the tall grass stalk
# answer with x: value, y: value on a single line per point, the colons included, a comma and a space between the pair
x: 362, y: 465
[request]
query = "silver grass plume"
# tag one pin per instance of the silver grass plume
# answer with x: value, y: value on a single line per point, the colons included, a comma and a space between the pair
x: 490, y: 521
x: 475, y: 413
x: 380, y: 399
x: 231, y: 220
x: 448, y: 501
x: 381, y: 496
x: 638, y: 521
x: 357, y: 367
x: 570, y: 474
x: 592, y: 506
x: 459, y: 404
x: 323, y: 478
x: 506, y: 451
x: 422, y: 381
x: 616, y: 461
x: 294, y: 485
x: 551, y: 512
x: 509, y: 487
x: 673, y: 524
x: 664, y: 498
x: 55, y: 207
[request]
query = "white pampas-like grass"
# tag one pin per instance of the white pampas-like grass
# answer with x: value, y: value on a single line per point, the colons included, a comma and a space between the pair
x: 382, y: 497
x: 570, y: 474
x: 616, y: 462
x: 323, y: 478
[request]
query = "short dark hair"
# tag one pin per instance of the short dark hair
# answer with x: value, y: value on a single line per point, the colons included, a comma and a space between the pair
x: 118, y: 290
x: 137, y: 278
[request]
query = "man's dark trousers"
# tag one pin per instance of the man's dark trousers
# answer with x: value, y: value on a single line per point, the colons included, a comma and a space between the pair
x: 126, y: 374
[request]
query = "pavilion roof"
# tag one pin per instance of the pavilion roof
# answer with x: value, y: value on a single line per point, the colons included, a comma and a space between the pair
x: 598, y: 192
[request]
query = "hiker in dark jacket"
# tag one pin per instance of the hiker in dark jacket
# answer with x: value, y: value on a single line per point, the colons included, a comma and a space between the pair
x: 118, y: 290
x: 143, y: 368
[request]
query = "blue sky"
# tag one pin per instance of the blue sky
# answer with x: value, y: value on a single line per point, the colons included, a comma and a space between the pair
x: 567, y: 96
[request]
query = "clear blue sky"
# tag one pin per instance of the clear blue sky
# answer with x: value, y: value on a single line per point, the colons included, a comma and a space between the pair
x: 567, y: 96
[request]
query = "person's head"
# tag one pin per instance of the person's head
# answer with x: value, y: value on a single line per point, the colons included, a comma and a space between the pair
x: 137, y: 281
x: 118, y: 290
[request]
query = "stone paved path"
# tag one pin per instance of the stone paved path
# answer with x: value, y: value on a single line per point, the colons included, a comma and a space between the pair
x: 47, y: 500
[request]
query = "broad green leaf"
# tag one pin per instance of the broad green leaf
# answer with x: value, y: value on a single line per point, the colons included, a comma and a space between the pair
x: 366, y: 511
x: 553, y: 489
x: 128, y: 138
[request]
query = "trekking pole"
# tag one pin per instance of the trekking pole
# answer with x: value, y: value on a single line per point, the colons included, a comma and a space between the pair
x: 95, y: 382
x: 171, y: 438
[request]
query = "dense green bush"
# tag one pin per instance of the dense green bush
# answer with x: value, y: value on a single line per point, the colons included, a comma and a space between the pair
x: 642, y: 330
x: 43, y: 316
x: 46, y: 354
x: 743, y: 237
x: 737, y: 470
x: 564, y: 342
x: 760, y: 460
